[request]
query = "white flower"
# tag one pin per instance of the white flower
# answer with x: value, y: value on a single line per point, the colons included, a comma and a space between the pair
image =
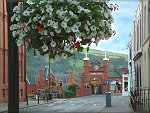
x: 68, y: 29
x: 26, y: 29
x: 52, y: 33
x: 86, y: 10
x: 16, y: 9
x: 93, y: 33
x: 64, y: 24
x: 49, y: 8
x: 17, y: 18
x: 26, y: 13
x: 38, y: 16
x: 55, y: 25
x: 71, y: 13
x: 14, y: 33
x: 43, y: 11
x: 102, y: 24
x: 50, y: 23
x: 53, y: 43
x: 66, y: 19
x: 22, y: 34
x: 78, y: 24
x: 64, y: 55
x: 13, y: 17
x: 106, y: 15
x: 43, y: 17
x: 20, y: 42
x: 35, y: 19
x: 58, y: 30
x: 70, y: 38
x: 58, y: 12
x: 75, y: 28
x: 93, y: 28
x: 44, y: 1
x: 32, y: 10
x: 88, y: 23
x: 80, y: 8
x: 86, y: 27
x: 13, y: 27
x: 45, y: 47
x: 73, y: 2
x: 67, y: 48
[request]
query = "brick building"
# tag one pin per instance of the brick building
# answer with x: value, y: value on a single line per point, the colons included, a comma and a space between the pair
x: 4, y: 59
x: 95, y: 74
x: 41, y: 84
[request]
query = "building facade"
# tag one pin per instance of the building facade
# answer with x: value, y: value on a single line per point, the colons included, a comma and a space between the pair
x: 4, y: 59
x: 139, y: 46
x: 42, y: 84
x: 92, y: 79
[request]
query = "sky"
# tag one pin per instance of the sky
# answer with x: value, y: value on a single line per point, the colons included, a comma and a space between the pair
x: 123, y: 23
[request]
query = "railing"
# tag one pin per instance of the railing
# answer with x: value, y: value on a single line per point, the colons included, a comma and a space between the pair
x: 140, y: 100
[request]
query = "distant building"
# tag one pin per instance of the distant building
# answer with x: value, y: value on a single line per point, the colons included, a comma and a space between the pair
x: 41, y: 84
x: 92, y: 78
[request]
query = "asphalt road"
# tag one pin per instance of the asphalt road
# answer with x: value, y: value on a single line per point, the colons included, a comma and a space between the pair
x: 91, y: 104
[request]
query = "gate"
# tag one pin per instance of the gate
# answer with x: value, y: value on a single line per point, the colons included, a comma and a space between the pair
x: 140, y: 100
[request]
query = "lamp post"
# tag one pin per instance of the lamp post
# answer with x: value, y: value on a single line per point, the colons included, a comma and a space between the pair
x: 49, y: 80
x: 13, y: 66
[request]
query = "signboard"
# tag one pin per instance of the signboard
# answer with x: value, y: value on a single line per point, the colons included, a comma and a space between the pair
x: 107, y: 82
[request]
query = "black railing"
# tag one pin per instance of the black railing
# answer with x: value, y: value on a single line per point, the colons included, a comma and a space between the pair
x: 140, y: 100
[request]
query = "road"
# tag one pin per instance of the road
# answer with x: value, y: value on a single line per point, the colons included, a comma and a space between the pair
x: 92, y: 104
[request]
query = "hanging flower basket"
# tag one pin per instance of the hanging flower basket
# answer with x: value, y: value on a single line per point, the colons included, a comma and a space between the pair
x: 61, y: 27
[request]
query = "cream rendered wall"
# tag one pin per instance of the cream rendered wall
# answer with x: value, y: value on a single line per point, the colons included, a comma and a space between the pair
x: 145, y: 44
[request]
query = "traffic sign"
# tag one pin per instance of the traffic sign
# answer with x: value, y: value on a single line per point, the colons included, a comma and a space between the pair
x: 107, y: 82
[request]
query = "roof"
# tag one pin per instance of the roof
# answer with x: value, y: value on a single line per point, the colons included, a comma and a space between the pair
x: 116, y: 73
x: 31, y: 79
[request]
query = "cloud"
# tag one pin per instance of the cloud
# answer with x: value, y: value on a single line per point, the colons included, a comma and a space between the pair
x: 123, y: 24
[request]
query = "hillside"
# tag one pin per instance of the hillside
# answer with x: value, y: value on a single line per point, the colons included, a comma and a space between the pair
x: 34, y: 63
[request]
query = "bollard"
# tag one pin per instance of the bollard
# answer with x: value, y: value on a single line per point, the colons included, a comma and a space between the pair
x: 108, y: 99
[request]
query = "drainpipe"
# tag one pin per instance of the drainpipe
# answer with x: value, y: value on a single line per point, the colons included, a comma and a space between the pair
x: 4, y: 42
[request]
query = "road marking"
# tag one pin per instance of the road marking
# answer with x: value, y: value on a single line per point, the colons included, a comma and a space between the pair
x: 94, y: 105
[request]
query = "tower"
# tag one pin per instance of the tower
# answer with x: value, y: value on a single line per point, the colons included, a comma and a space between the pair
x: 106, y: 64
x: 86, y: 65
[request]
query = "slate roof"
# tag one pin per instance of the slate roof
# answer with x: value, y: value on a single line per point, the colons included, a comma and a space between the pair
x: 116, y: 73
x: 31, y: 79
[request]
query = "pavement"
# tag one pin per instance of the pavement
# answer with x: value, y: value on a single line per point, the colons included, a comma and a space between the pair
x: 119, y: 104
x: 31, y: 103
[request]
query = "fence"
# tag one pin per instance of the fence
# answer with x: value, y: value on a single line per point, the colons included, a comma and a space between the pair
x: 140, y: 100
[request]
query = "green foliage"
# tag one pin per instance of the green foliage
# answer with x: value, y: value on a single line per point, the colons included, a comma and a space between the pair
x: 72, y: 87
x: 71, y: 91
x: 34, y: 63
x: 69, y: 94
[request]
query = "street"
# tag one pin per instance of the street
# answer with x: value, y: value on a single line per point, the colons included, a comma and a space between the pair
x: 86, y: 104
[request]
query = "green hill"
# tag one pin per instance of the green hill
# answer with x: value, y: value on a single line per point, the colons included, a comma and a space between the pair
x: 34, y: 63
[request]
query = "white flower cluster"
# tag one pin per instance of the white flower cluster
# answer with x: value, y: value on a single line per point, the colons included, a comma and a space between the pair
x: 61, y: 26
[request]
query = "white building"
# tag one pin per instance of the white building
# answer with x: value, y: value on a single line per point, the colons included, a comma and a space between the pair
x: 140, y: 46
